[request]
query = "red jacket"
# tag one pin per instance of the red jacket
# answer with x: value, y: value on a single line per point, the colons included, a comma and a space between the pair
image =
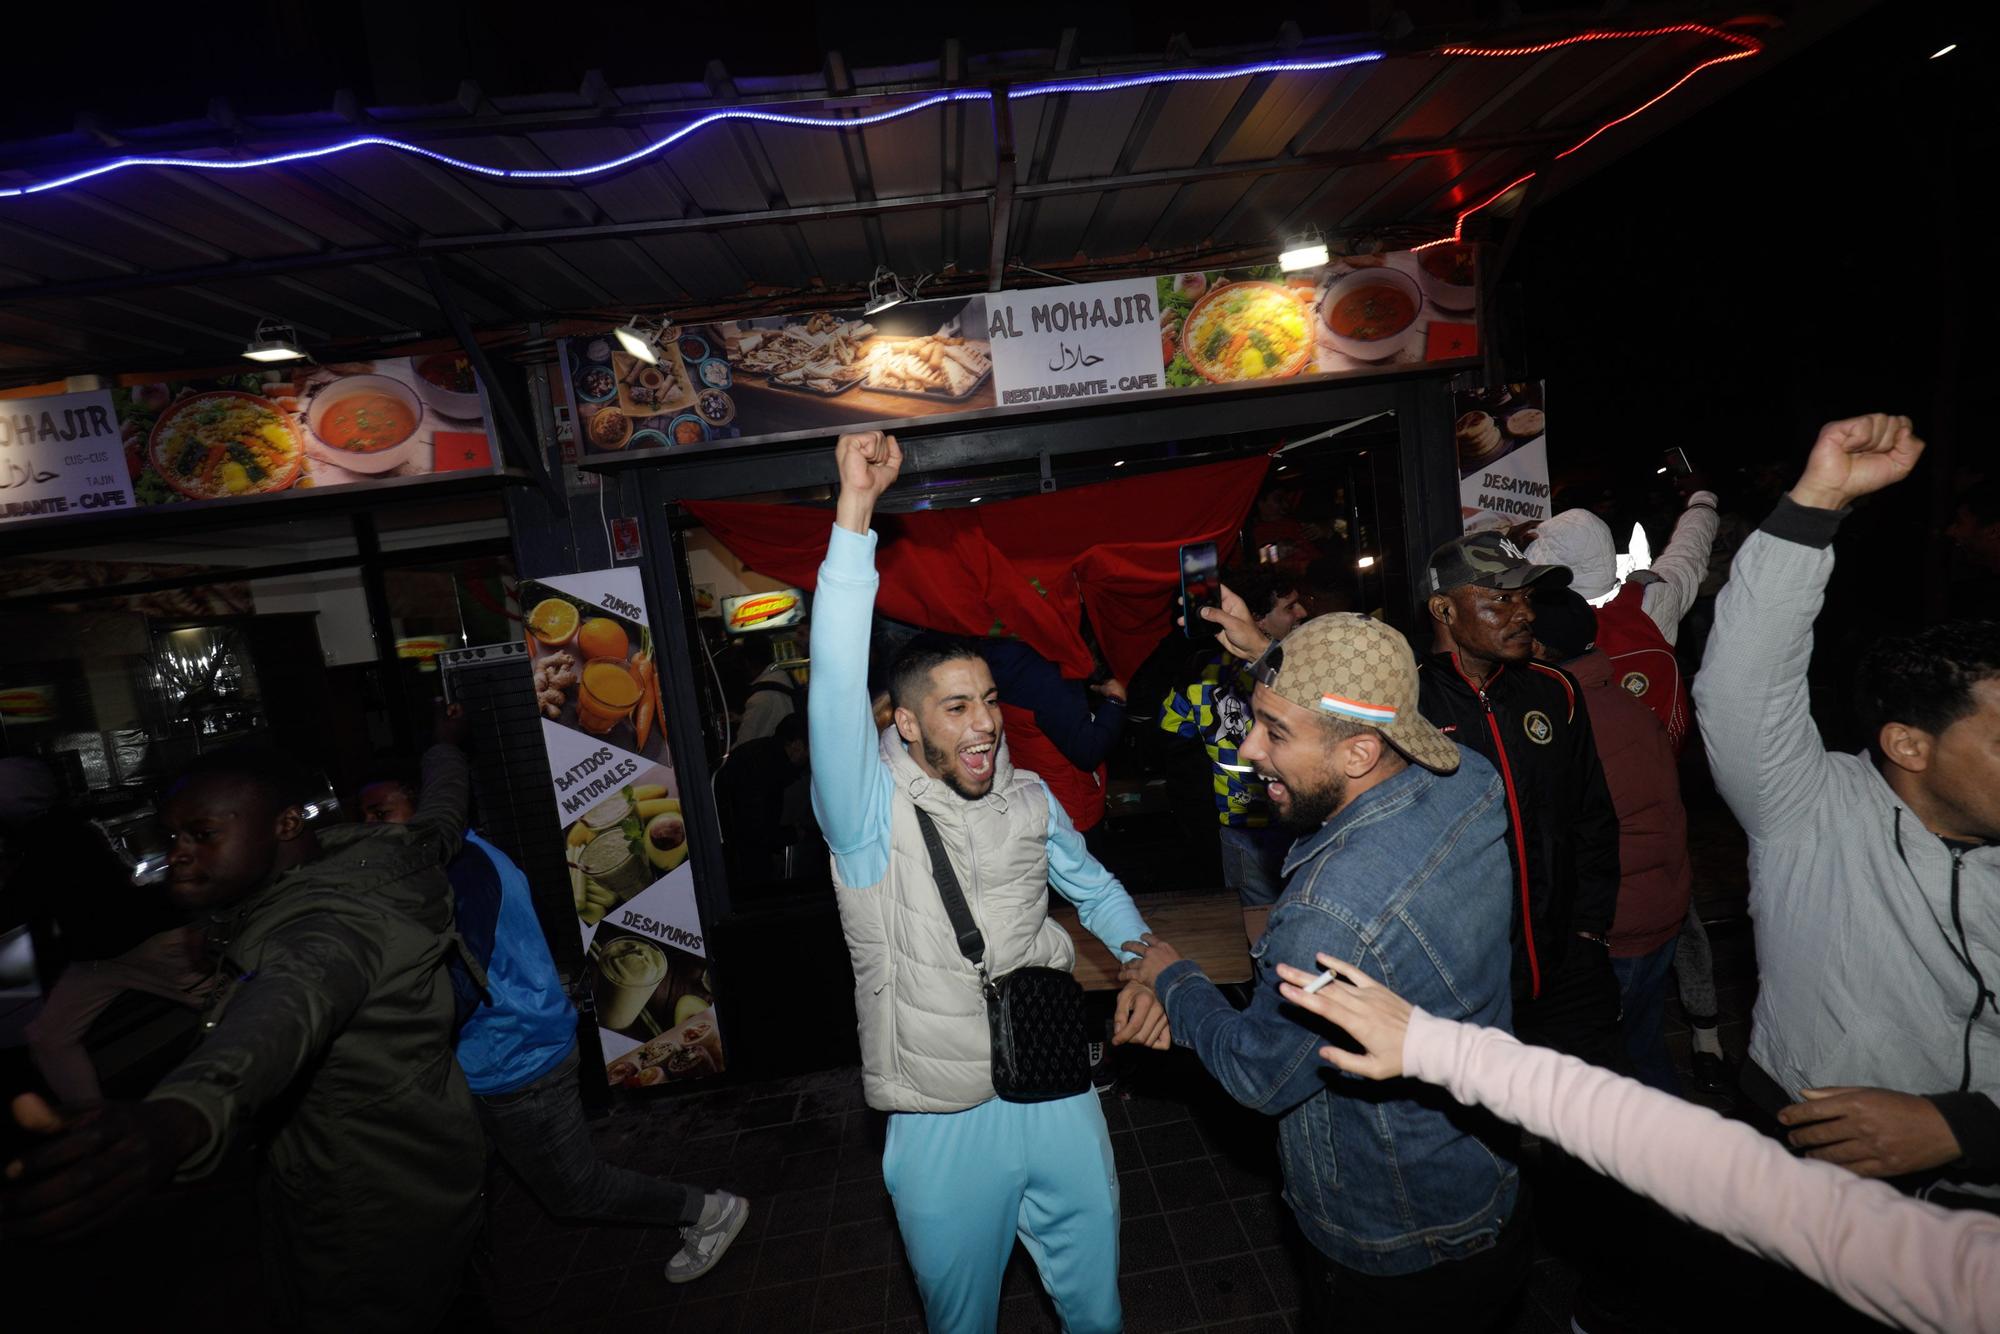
x: 1654, y: 880
x: 1642, y: 661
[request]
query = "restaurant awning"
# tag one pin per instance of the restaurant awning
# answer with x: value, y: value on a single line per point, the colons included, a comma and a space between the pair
x: 978, y: 169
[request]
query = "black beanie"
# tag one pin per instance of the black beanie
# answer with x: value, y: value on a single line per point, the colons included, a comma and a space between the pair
x: 1565, y: 623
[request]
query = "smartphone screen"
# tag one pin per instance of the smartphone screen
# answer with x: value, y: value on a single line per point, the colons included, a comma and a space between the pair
x: 1201, y: 586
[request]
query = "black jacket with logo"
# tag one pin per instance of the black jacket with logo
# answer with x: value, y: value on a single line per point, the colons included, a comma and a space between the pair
x: 1530, y: 721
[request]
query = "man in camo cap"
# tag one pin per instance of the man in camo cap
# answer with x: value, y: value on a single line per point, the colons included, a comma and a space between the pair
x: 1401, y: 865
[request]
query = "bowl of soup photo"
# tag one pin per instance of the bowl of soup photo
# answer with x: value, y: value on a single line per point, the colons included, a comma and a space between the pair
x: 446, y: 381
x: 365, y: 423
x: 1369, y: 312
x: 1449, y: 275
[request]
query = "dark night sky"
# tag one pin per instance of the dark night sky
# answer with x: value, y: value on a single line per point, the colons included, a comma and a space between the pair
x: 1801, y: 250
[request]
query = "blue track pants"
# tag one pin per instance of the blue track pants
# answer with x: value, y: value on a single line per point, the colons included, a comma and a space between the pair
x: 966, y: 1184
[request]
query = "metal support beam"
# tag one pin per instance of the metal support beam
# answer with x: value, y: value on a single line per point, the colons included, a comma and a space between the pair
x: 511, y: 424
x: 381, y: 625
x: 1002, y: 217
x: 1428, y: 461
x: 806, y: 463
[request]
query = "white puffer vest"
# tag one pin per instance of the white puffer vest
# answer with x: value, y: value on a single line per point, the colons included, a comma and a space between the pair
x: 924, y: 1040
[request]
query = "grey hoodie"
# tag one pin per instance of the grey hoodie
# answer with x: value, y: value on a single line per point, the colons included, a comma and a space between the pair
x: 1862, y: 979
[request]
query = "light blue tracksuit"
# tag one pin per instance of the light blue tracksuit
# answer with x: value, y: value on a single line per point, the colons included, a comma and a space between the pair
x: 966, y: 1184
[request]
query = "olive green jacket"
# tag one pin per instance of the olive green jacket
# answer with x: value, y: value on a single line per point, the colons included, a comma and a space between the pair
x: 329, y: 1040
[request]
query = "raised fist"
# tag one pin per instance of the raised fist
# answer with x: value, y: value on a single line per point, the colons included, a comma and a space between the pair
x: 869, y: 463
x: 1857, y: 457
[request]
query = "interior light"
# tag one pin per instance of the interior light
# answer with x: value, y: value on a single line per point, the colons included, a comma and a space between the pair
x: 1659, y: 472
x: 1944, y: 52
x: 1365, y: 563
x: 636, y: 342
x: 1119, y: 464
x: 273, y: 342
x: 977, y: 499
x: 1304, y: 253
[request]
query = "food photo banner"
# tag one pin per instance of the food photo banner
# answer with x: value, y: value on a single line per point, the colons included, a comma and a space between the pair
x: 597, y: 684
x: 745, y: 380
x: 347, y: 423
x: 1503, y: 455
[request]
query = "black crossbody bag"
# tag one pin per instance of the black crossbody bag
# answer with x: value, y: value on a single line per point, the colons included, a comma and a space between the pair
x: 1033, y: 1015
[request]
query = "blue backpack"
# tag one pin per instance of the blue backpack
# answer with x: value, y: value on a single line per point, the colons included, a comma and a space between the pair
x: 475, y: 902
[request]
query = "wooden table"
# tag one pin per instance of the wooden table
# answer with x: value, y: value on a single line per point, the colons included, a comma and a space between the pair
x: 1212, y: 929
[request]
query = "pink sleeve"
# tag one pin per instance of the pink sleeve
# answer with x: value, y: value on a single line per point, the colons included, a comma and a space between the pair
x: 1910, y: 1263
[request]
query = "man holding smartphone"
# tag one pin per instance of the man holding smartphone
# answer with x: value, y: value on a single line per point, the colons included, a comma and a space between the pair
x: 968, y: 1172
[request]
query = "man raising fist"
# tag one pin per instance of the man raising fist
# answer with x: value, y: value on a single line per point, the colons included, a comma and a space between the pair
x: 929, y: 806
x: 1874, y: 882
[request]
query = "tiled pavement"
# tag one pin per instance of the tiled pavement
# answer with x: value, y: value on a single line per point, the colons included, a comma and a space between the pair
x: 1204, y: 1243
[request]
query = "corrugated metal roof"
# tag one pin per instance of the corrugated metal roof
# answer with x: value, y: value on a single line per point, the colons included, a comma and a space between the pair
x: 155, y: 267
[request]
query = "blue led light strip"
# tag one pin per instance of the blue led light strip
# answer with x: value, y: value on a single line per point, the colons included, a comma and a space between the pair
x: 1106, y: 85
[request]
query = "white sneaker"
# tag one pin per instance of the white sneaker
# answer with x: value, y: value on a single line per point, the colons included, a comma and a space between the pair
x: 703, y: 1243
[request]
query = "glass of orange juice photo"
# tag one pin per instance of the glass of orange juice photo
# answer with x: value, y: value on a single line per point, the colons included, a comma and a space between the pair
x: 607, y: 695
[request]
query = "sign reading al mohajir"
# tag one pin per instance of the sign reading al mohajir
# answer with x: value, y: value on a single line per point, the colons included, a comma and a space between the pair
x: 837, y: 370
x: 267, y: 432
x: 61, y: 455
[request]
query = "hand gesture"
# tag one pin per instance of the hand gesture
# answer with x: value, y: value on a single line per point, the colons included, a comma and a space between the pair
x: 1363, y: 1008
x: 1871, y: 1132
x: 450, y: 726
x: 1236, y: 628
x: 92, y: 1169
x: 1154, y: 957
x: 1111, y: 688
x: 869, y: 463
x: 1139, y: 1017
x: 1857, y: 457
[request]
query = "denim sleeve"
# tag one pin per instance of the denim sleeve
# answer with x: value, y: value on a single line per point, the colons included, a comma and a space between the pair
x: 1266, y: 1057
x: 1106, y: 910
x: 851, y: 787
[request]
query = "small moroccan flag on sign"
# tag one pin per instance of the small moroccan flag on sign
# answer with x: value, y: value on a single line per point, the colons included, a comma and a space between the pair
x: 1448, y: 341
x: 459, y: 450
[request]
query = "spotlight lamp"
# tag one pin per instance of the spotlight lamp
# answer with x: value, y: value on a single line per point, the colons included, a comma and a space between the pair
x: 1304, y: 252
x: 273, y: 341
x: 640, y: 339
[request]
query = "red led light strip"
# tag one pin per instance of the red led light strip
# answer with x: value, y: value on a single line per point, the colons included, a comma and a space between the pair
x: 1747, y: 47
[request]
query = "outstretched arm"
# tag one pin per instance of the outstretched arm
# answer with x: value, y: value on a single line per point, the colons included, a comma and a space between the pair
x: 850, y: 786
x: 1682, y: 565
x: 1751, y: 696
x: 1900, y: 1260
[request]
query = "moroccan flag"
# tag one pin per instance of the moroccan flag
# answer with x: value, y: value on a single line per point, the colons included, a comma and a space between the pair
x: 1025, y: 567
x: 459, y: 450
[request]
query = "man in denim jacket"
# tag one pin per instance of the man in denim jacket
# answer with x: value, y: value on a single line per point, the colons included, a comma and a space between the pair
x: 1401, y: 869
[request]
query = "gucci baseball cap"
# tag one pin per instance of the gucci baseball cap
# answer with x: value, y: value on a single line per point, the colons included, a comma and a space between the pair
x: 1357, y: 669
x: 1489, y: 560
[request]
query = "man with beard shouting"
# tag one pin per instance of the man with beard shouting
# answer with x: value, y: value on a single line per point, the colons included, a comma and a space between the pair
x: 1401, y: 863
x: 967, y: 1170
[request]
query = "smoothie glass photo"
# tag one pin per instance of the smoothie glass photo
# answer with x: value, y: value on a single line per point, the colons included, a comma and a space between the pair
x: 629, y: 971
